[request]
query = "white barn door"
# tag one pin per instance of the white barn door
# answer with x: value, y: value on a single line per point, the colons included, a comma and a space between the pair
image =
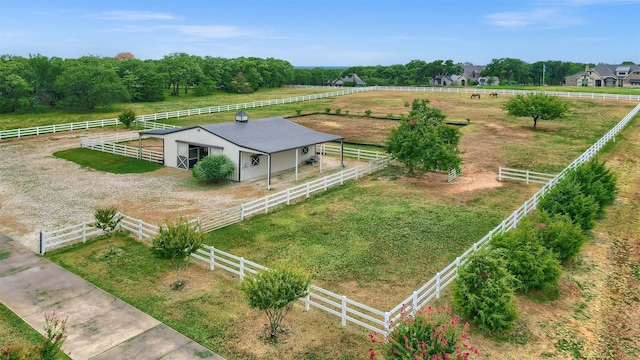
x: 183, y: 156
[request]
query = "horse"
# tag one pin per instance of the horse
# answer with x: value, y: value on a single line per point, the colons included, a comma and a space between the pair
x: 475, y: 95
x: 493, y: 94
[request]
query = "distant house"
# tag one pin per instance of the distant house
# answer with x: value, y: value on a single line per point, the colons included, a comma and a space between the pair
x: 469, y: 77
x: 258, y: 148
x: 606, y: 75
x: 351, y: 78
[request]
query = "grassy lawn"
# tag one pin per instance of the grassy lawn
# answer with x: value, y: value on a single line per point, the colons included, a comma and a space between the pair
x: 101, y: 161
x: 210, y: 309
x: 14, y: 330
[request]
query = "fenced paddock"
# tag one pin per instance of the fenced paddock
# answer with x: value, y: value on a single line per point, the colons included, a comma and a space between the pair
x: 360, y: 314
x: 110, y: 144
x: 524, y: 175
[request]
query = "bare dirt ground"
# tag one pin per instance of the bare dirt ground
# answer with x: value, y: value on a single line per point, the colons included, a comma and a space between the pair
x: 41, y: 192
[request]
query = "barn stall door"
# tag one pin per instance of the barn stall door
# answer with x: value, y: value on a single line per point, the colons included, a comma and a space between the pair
x: 183, y: 156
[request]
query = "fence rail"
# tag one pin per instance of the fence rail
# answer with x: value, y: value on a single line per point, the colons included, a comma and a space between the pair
x: 432, y: 288
x: 151, y: 118
x: 348, y: 310
x: 524, y: 175
x: 123, y: 150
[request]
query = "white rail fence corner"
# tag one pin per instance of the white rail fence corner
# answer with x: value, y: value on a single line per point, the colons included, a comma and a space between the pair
x: 110, y: 144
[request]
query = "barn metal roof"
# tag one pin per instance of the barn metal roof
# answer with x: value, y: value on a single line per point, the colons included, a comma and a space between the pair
x: 268, y: 135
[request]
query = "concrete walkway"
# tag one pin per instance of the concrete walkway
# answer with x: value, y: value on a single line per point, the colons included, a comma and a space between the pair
x: 101, y: 326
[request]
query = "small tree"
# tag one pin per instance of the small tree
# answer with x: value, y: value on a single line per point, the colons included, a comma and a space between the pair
x: 484, y: 292
x: 274, y: 291
x: 213, y: 168
x: 537, y: 106
x: 367, y: 112
x: 107, y: 219
x: 423, y: 140
x: 127, y: 117
x: 175, y: 242
x: 55, y: 333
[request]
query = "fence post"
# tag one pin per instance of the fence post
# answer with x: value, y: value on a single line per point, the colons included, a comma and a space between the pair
x: 84, y: 232
x: 414, y: 303
x: 212, y: 258
x: 307, y: 299
x: 242, y: 268
x: 387, y: 326
x: 438, y: 285
x: 42, y: 245
x: 527, y: 177
x: 241, y: 212
x: 344, y: 310
x: 500, y: 173
x: 140, y: 229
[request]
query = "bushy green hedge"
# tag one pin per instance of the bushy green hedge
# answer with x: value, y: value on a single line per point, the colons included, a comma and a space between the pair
x: 560, y: 234
x: 483, y: 292
x: 597, y: 181
x: 532, y: 264
x: 213, y: 167
x: 568, y: 198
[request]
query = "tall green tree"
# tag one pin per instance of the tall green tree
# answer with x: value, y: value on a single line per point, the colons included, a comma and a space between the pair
x: 88, y: 83
x: 424, y: 141
x: 537, y: 106
x: 509, y: 70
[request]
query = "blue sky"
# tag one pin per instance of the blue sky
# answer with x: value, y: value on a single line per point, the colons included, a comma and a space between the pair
x: 327, y: 32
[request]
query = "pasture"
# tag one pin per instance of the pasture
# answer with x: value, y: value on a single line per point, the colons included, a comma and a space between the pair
x: 374, y: 240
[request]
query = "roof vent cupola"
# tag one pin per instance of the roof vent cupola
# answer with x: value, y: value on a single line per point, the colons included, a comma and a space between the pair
x: 242, y: 116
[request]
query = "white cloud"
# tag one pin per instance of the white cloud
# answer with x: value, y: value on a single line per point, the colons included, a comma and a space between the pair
x: 546, y: 18
x: 135, y: 15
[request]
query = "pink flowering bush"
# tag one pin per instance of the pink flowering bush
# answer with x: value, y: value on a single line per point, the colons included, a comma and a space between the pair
x: 55, y: 333
x: 434, y: 334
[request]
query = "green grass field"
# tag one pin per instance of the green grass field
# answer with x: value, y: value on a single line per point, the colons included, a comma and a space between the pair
x: 101, y: 161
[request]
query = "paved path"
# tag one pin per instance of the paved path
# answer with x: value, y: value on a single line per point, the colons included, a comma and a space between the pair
x: 101, y: 326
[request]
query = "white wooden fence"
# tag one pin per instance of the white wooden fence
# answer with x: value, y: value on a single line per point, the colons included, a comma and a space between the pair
x: 346, y: 309
x: 142, y: 120
x: 109, y: 144
x: 524, y: 175
x: 432, y: 288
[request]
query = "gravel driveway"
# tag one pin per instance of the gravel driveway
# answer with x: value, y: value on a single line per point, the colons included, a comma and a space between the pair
x: 41, y: 192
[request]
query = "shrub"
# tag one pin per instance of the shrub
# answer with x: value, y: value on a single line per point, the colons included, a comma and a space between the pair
x: 327, y: 110
x: 433, y: 334
x: 55, y: 333
x: 298, y: 111
x: 127, y: 117
x: 567, y: 197
x: 390, y: 115
x: 367, y: 112
x: 175, y: 242
x: 274, y: 291
x: 597, y: 181
x: 484, y: 292
x: 213, y: 168
x: 533, y: 265
x: 107, y: 219
x: 560, y: 235
x: 19, y: 351
x: 338, y: 110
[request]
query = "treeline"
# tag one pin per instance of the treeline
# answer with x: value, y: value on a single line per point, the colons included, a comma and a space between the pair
x: 84, y: 84
x: 419, y: 72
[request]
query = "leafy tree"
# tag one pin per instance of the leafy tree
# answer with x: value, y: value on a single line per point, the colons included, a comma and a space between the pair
x: 205, y: 86
x: 175, y: 242
x: 537, y: 106
x: 423, y: 140
x: 127, y: 117
x: 561, y: 235
x: 181, y: 70
x: 484, y: 292
x: 213, y: 168
x: 87, y: 83
x: 509, y: 70
x: 533, y: 265
x: 274, y: 291
x: 107, y: 219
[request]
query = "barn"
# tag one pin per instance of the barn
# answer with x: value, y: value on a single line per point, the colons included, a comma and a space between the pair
x: 258, y: 148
